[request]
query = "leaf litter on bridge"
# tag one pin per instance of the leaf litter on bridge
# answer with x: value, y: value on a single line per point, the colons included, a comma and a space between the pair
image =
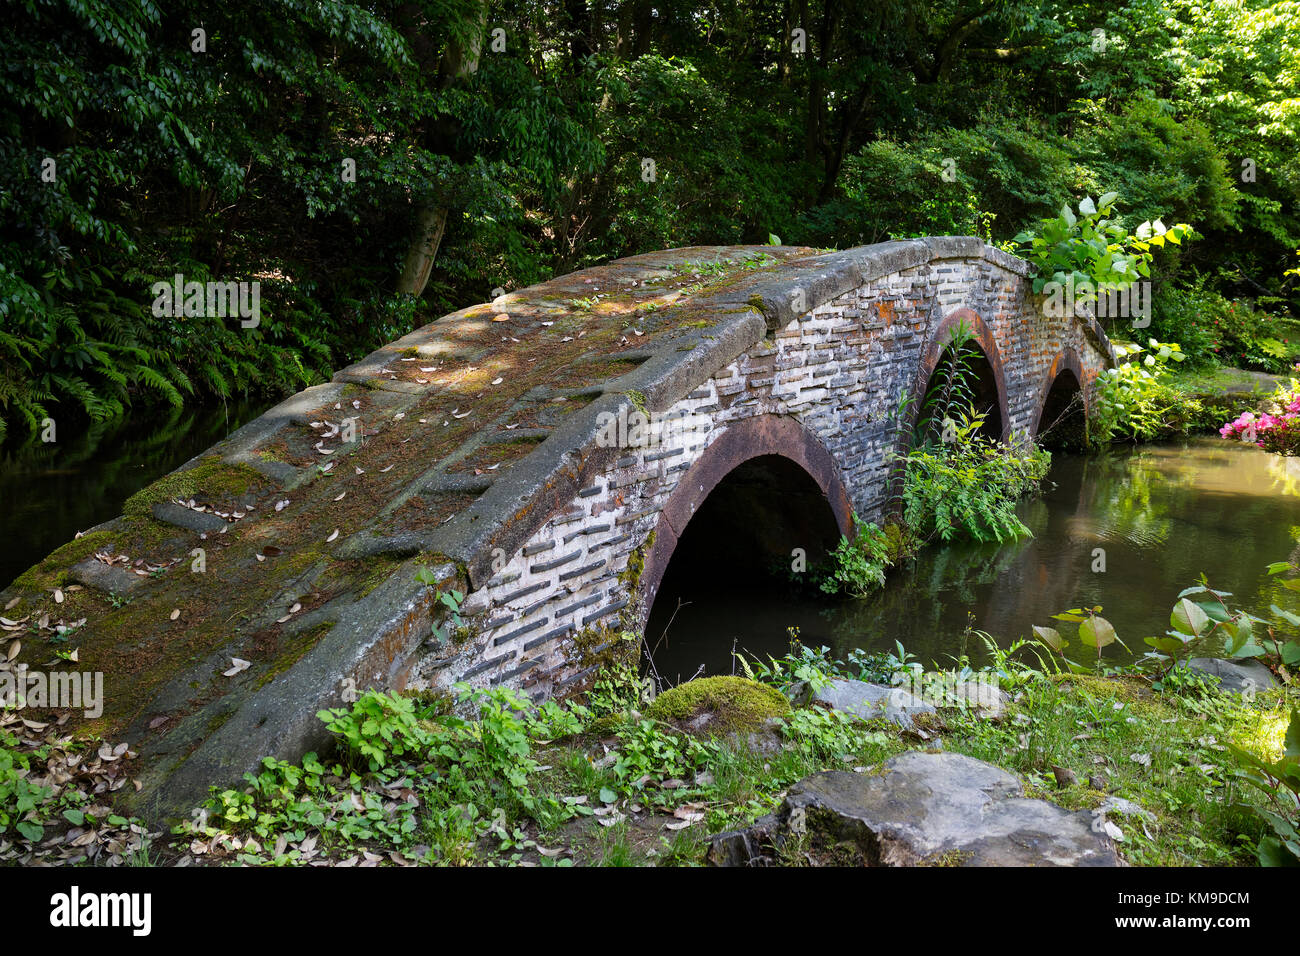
x: 471, y: 375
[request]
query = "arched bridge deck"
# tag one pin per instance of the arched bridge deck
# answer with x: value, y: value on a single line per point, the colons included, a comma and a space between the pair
x: 502, y: 448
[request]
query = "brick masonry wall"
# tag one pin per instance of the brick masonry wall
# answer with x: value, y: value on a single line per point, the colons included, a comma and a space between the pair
x: 839, y: 370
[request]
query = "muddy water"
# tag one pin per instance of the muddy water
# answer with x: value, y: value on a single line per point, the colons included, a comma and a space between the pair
x: 49, y: 492
x: 1160, y: 515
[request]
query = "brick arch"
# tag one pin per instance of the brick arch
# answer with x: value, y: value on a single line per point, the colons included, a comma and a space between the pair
x: 742, y: 441
x: 1067, y: 360
x: 939, y: 340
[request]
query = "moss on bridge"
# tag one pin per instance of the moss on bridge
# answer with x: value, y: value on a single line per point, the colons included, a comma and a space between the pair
x: 318, y: 531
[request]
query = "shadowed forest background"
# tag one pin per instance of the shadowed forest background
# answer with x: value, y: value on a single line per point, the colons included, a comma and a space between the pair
x: 496, y: 145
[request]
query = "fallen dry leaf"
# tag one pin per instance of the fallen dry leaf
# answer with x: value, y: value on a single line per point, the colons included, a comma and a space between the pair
x: 239, y: 665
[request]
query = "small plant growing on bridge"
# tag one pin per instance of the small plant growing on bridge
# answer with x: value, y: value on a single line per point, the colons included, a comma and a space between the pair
x: 451, y: 600
x: 968, y: 486
x: 952, y: 387
x: 857, y: 566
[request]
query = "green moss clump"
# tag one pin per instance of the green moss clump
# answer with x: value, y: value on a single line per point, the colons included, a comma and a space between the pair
x: 630, y: 576
x: 432, y: 702
x: 726, y: 704
x: 211, y: 477
x: 637, y: 398
x: 52, y: 571
x: 607, y: 726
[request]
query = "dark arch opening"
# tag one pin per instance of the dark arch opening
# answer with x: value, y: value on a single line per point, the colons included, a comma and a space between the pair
x: 1063, y: 422
x: 963, y: 378
x: 737, y: 547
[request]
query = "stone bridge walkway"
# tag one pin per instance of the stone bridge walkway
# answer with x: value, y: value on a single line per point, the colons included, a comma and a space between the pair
x: 501, y: 448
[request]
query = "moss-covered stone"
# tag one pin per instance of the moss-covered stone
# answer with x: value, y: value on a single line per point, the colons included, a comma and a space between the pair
x: 53, y: 570
x: 719, y: 705
x: 212, y: 478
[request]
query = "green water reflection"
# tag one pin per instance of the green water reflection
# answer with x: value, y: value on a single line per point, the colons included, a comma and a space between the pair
x: 1161, y: 515
x: 52, y: 491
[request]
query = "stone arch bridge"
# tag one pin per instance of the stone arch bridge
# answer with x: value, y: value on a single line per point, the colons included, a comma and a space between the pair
x: 500, y: 449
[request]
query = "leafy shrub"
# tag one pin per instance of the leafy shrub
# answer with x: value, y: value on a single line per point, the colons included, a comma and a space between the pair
x: 647, y: 755
x: 968, y: 486
x: 1214, y: 329
x: 1277, y: 431
x: 801, y: 664
x: 1134, y: 400
x: 616, y: 689
x: 1094, y: 251
x: 824, y: 734
x: 1279, y: 781
x: 378, y: 728
x: 18, y: 796
x: 857, y: 567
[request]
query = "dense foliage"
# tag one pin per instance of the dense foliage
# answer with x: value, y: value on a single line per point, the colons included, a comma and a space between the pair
x: 374, y: 165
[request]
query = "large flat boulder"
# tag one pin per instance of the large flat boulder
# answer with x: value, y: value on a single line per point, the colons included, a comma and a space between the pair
x: 920, y: 809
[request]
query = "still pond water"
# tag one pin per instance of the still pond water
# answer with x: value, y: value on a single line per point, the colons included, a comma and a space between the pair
x: 1162, y: 514
x: 52, y: 491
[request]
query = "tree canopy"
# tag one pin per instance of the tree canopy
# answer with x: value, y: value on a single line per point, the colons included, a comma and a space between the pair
x: 375, y: 164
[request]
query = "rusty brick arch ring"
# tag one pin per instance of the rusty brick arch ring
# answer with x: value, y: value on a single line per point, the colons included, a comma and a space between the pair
x: 940, y: 340
x: 741, y: 442
x: 1067, y: 360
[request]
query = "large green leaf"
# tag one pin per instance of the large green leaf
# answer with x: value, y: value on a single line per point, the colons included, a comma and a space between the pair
x: 1051, y: 637
x: 1097, y: 632
x: 1189, y: 618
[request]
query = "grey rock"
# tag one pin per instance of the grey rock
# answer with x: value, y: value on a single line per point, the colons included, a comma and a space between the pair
x: 924, y: 808
x: 1120, y: 807
x: 188, y: 518
x: 984, y: 699
x: 1235, y: 676
x: 743, y: 847
x: 865, y: 700
x: 106, y: 578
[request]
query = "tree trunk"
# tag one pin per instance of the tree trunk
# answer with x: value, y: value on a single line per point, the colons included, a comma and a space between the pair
x: 430, y: 223
x: 457, y: 63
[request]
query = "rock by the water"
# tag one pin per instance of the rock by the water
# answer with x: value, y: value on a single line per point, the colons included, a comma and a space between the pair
x: 719, y: 706
x: 984, y: 699
x: 1235, y: 676
x: 865, y: 700
x: 919, y: 809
